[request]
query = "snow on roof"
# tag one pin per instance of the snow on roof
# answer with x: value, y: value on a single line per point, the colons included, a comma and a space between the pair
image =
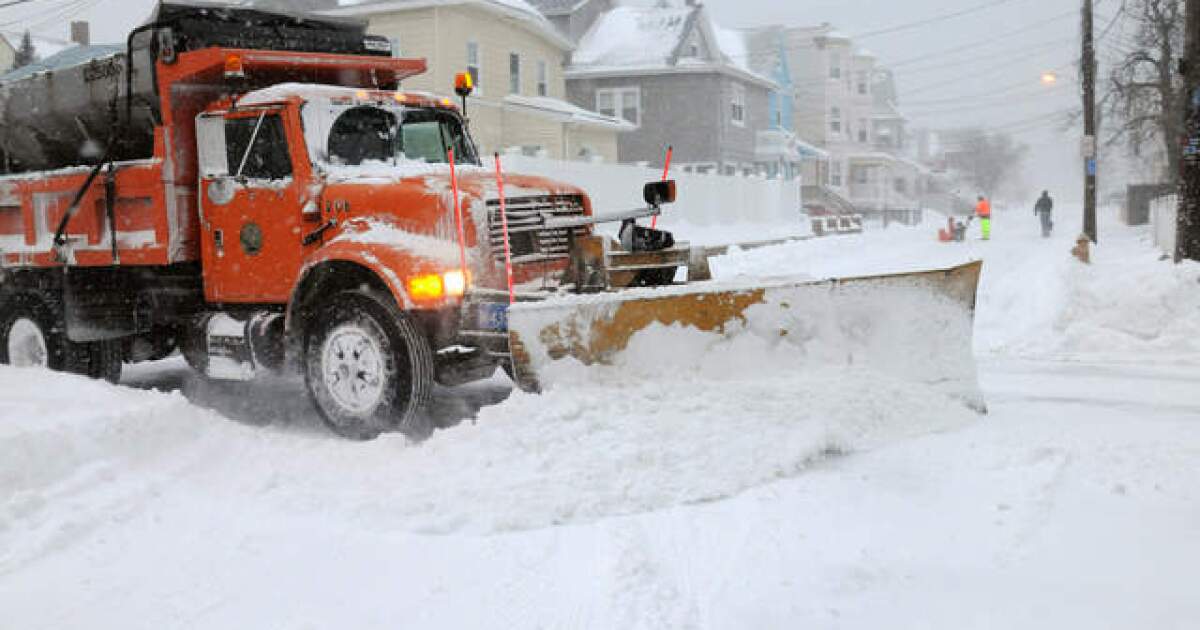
x: 633, y: 36
x: 575, y: 113
x: 70, y: 57
x: 641, y: 39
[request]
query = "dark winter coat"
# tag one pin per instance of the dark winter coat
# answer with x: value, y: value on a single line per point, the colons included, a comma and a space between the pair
x: 1045, y: 204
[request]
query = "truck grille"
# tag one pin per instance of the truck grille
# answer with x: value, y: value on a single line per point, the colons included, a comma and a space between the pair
x: 539, y: 245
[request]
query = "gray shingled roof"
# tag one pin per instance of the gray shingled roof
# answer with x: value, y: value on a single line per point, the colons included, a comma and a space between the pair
x: 556, y: 7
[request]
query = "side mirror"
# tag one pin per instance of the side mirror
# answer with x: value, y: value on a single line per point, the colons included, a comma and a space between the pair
x: 658, y: 193
x: 222, y: 190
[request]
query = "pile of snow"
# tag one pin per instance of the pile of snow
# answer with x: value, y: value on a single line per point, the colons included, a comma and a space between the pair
x: 1133, y: 304
x: 62, y: 435
x: 1037, y: 301
x: 713, y: 421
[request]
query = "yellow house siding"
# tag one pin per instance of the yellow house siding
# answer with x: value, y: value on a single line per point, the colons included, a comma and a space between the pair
x: 8, y: 55
x: 440, y: 35
x: 600, y: 142
x: 417, y: 33
x: 530, y: 129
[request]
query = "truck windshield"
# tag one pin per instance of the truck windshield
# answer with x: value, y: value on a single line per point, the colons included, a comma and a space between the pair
x: 372, y: 134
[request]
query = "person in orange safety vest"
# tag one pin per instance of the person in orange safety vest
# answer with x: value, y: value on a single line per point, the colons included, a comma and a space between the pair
x: 983, y: 210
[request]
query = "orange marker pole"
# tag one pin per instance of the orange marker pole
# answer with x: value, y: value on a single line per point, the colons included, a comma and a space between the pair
x: 458, y: 218
x: 508, y: 269
x: 666, y: 174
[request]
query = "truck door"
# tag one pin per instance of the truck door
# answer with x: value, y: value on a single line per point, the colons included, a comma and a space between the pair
x: 251, y: 200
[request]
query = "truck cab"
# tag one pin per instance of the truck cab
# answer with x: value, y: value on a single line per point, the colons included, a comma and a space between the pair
x: 312, y: 190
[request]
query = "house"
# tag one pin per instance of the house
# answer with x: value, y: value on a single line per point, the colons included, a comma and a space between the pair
x: 838, y: 112
x: 516, y: 57
x: 781, y: 153
x: 681, y: 80
x: 8, y: 54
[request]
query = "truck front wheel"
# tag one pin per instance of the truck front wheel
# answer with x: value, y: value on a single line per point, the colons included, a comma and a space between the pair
x: 369, y: 368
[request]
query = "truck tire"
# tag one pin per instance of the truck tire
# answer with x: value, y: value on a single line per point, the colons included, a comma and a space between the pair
x: 31, y: 336
x: 369, y: 368
x: 101, y: 360
x: 27, y: 337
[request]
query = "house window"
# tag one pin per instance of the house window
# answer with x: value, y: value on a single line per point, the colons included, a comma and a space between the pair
x: 623, y: 103
x: 543, y: 80
x: 835, y: 66
x: 738, y: 105
x: 473, y: 63
x: 514, y: 73
x: 862, y: 130
x: 835, y: 174
x: 862, y: 82
x: 835, y: 121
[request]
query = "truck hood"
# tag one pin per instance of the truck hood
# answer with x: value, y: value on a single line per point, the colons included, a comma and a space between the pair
x: 422, y: 203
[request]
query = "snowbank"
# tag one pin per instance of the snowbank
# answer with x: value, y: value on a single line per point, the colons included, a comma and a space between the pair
x: 62, y: 435
x: 1130, y: 302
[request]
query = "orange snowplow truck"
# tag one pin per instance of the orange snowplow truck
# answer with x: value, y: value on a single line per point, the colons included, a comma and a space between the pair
x: 254, y: 190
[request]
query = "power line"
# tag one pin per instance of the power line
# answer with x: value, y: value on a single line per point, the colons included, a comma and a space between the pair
x: 974, y: 73
x: 14, y: 3
x: 998, y: 37
x: 1030, y: 51
x: 933, y: 20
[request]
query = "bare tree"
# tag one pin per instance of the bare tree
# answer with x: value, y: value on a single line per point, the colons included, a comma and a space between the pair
x: 26, y: 54
x: 1146, y: 95
x: 989, y: 161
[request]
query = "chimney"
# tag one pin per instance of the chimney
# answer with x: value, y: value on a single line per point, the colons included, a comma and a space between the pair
x: 81, y: 33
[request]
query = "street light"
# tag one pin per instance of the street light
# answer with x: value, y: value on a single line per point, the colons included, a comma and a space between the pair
x: 1049, y: 78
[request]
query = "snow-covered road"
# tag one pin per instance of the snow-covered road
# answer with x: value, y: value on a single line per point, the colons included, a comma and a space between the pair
x: 830, y: 500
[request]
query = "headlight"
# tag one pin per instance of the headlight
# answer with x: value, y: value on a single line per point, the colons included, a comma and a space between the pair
x: 434, y: 287
x: 455, y: 283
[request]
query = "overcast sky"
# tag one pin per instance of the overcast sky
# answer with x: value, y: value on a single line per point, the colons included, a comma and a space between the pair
x: 982, y: 68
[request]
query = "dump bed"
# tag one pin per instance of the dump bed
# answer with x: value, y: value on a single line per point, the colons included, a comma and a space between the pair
x: 63, y: 111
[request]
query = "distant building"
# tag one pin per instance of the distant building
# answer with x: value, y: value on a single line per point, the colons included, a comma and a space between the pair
x: 516, y: 56
x: 861, y: 133
x: 683, y: 81
x: 8, y: 54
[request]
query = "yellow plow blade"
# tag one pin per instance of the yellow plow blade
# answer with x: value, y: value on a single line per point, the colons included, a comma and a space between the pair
x: 916, y: 325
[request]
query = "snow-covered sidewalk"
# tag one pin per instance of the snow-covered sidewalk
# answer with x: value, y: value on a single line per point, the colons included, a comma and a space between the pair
x: 806, y: 499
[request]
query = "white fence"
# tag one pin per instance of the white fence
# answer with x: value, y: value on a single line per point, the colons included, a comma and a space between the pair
x: 1163, y: 214
x: 705, y: 200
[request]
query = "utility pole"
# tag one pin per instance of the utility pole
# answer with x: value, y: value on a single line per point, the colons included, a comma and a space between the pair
x: 1188, y: 236
x: 1089, y: 123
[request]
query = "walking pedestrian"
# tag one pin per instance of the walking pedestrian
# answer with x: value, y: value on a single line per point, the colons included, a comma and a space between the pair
x: 1044, y: 210
x: 983, y: 210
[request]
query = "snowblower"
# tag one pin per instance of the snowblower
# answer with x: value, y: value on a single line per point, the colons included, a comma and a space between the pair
x: 915, y: 325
